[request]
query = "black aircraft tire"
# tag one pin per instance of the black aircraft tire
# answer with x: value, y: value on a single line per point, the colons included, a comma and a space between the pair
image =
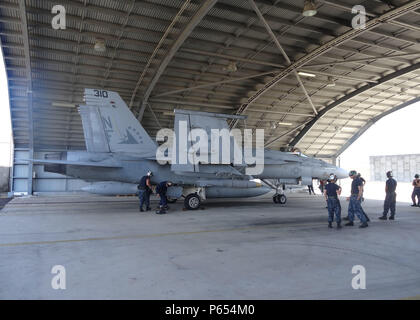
x: 282, y: 199
x: 192, y: 202
x: 275, y: 199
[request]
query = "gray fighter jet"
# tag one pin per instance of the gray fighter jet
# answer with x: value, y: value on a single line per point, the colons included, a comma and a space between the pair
x: 119, y: 152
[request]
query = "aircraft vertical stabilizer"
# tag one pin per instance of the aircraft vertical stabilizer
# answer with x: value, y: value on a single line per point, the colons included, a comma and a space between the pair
x: 110, y: 126
x: 206, y: 121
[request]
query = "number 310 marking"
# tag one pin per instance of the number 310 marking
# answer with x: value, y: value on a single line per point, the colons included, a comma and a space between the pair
x: 100, y: 93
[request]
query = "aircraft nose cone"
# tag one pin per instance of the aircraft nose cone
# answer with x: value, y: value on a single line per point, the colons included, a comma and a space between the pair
x: 341, y: 173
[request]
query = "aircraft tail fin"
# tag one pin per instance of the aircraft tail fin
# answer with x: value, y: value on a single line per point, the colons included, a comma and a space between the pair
x: 110, y: 126
x: 206, y: 121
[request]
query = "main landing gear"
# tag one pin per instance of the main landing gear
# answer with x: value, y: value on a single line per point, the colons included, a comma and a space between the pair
x: 192, y: 201
x: 280, y: 199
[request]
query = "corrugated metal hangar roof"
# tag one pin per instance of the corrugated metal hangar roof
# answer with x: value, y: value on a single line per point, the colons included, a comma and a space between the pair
x: 216, y: 56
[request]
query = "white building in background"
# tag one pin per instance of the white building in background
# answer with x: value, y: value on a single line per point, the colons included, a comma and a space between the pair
x: 404, y: 167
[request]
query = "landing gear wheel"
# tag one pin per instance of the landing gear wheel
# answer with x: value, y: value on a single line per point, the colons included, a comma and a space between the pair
x: 280, y: 198
x: 172, y: 200
x: 192, y: 202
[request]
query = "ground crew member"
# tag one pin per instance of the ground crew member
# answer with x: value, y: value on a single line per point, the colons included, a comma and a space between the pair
x: 311, y: 188
x: 321, y: 186
x: 359, y: 175
x: 161, y: 190
x: 390, y: 198
x: 364, y: 182
x: 416, y: 191
x: 331, y: 193
x: 145, y: 190
x: 355, y: 206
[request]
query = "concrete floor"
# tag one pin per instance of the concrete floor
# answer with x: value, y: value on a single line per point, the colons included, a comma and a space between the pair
x: 241, y: 249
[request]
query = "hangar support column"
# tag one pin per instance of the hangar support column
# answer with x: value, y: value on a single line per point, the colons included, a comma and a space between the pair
x: 24, y: 27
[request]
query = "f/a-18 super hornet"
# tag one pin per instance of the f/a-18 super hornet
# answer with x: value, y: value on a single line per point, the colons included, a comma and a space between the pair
x: 119, y: 152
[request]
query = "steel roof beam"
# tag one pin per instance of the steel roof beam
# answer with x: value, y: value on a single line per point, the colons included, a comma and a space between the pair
x: 282, y: 66
x: 214, y: 84
x: 332, y: 63
x: 353, y: 94
x: 390, y: 15
x: 371, y: 14
x: 113, y: 37
x: 134, y: 53
x: 196, y: 19
x: 24, y: 26
x: 338, y: 21
x: 40, y: 11
x: 298, y: 10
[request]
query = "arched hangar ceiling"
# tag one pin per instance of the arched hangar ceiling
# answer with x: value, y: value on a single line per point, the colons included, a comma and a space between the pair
x: 311, y: 82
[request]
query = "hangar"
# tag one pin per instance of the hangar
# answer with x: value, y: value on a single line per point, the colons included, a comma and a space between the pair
x: 315, y: 74
x: 216, y: 56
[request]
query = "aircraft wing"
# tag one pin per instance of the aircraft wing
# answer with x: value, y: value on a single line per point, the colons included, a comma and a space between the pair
x: 103, y: 164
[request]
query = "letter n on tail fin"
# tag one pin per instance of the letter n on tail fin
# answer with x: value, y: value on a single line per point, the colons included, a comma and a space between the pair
x: 109, y: 125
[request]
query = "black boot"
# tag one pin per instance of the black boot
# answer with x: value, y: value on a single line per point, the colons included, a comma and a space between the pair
x: 384, y: 217
x: 349, y: 224
x: 338, y: 225
x: 391, y: 217
x: 161, y: 210
x: 141, y: 209
x: 148, y: 209
x: 330, y: 225
x: 364, y: 225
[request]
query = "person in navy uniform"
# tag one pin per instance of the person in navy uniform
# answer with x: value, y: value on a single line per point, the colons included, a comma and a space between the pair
x: 359, y: 175
x: 321, y: 186
x: 355, y: 205
x: 311, y: 188
x: 331, y: 193
x: 390, y: 198
x: 145, y: 190
x: 416, y: 191
x: 161, y: 190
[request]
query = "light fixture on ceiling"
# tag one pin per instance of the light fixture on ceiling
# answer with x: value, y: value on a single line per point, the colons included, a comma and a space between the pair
x: 306, y: 74
x: 331, y: 82
x: 231, y: 67
x: 309, y: 8
x: 99, y: 45
x: 285, y: 124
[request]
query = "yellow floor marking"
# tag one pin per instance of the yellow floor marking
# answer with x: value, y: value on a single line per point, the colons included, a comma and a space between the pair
x: 155, y: 235
x: 412, y: 298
